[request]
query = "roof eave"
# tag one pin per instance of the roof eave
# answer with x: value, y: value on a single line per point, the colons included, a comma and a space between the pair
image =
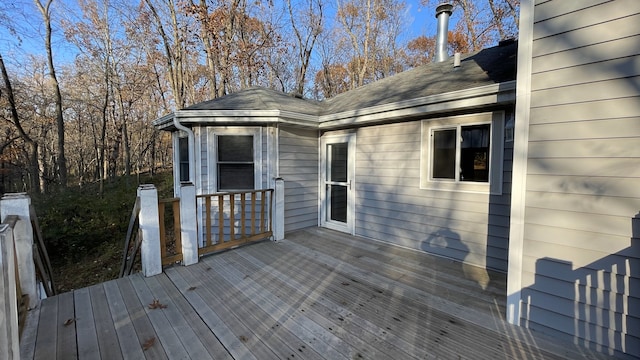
x: 237, y: 118
x: 482, y: 96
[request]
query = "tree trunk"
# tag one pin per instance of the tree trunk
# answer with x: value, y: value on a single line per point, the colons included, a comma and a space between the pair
x: 32, y: 146
x: 61, y: 159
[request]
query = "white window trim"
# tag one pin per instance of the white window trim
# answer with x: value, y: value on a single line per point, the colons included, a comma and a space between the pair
x: 496, y: 153
x: 212, y: 140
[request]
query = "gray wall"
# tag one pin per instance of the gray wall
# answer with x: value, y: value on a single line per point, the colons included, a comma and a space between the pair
x: 390, y: 206
x: 580, y: 265
x: 298, y: 163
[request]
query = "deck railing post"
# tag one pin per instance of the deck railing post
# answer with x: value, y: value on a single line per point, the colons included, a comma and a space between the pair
x: 188, y: 223
x: 278, y: 213
x: 18, y: 204
x: 149, y: 221
x: 9, y: 330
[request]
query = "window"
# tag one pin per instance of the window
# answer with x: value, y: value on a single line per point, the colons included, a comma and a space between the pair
x: 472, y: 145
x: 183, y: 158
x: 235, y: 162
x: 463, y: 153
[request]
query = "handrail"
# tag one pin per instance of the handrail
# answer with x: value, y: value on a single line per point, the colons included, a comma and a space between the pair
x: 41, y: 257
x: 235, y: 225
x: 129, y: 253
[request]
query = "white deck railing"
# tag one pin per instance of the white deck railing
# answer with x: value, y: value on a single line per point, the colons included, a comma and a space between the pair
x: 262, y: 209
x: 18, y: 281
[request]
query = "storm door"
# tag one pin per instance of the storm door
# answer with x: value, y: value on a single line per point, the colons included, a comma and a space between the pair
x: 338, y: 165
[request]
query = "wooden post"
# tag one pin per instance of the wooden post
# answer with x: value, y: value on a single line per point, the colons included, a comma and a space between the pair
x: 188, y: 223
x: 278, y: 214
x: 149, y: 218
x: 9, y: 330
x: 18, y: 204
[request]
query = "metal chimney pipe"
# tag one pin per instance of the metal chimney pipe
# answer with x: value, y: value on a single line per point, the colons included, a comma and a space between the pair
x: 443, y: 12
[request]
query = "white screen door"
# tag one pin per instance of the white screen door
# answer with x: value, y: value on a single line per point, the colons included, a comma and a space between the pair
x: 338, y: 167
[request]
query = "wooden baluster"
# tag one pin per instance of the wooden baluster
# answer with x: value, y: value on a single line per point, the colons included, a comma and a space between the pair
x: 163, y: 234
x: 262, y: 212
x: 220, y: 218
x: 177, y: 230
x: 253, y: 213
x: 271, y: 209
x: 207, y: 201
x: 243, y: 216
x: 232, y: 217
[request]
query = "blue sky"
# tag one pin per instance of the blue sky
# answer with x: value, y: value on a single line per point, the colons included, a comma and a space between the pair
x: 25, y: 18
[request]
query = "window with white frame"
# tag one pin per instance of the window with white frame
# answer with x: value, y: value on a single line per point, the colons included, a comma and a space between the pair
x: 463, y: 153
x: 183, y: 158
x: 235, y: 162
x: 235, y: 158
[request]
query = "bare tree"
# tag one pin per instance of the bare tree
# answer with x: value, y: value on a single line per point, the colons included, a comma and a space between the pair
x: 371, y: 27
x: 15, y: 119
x: 45, y: 11
x: 307, y: 24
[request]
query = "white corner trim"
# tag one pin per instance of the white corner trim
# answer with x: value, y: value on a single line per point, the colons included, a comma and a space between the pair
x: 520, y: 155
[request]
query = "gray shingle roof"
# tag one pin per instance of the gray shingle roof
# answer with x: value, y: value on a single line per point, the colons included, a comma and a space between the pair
x: 259, y: 98
x: 485, y: 67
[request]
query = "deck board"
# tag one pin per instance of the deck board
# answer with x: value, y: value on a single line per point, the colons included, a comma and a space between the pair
x: 87, y: 338
x: 211, y: 343
x: 317, y: 295
x: 359, y: 334
x: 309, y: 340
x: 125, y: 331
x: 141, y: 323
x: 46, y: 346
x: 66, y: 328
x: 105, y: 329
x: 167, y: 336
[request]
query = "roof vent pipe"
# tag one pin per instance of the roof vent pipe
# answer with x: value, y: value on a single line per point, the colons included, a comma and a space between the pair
x: 443, y: 12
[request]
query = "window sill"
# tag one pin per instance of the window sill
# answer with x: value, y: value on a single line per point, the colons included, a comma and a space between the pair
x: 464, y: 187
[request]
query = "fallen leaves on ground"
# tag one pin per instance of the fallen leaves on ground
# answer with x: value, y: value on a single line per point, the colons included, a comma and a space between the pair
x: 156, y: 304
x: 148, y: 344
x: 68, y: 322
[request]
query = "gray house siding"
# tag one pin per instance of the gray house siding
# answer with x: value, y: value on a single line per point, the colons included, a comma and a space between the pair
x: 391, y: 206
x: 298, y: 163
x: 581, y: 275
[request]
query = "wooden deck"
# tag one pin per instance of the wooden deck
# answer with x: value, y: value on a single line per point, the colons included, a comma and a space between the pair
x: 317, y: 295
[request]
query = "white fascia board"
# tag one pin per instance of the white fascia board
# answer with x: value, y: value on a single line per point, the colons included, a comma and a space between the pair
x: 242, y: 117
x: 494, y: 94
x: 164, y: 121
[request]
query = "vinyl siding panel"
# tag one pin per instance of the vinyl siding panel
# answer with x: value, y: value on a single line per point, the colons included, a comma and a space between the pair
x: 391, y: 206
x: 298, y: 165
x: 580, y: 266
x: 586, y: 37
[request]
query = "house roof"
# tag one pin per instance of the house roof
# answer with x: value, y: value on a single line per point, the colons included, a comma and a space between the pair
x: 484, y: 67
x: 260, y: 98
x: 488, y: 76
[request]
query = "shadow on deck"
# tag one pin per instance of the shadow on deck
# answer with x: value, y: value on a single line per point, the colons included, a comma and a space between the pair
x: 318, y: 294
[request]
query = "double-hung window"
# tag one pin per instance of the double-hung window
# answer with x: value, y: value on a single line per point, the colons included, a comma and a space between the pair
x: 235, y: 159
x: 183, y: 158
x: 235, y: 162
x: 463, y: 153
